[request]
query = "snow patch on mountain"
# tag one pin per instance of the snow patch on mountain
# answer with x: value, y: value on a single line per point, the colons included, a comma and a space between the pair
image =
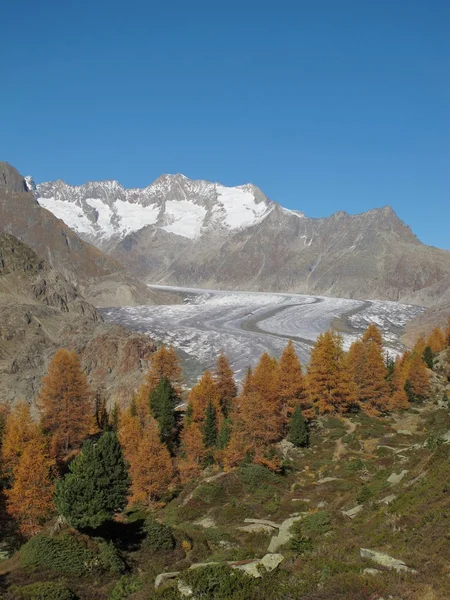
x: 104, y: 210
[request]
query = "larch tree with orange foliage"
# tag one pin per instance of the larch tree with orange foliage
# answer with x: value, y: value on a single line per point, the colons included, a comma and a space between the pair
x: 19, y: 430
x: 366, y: 363
x: 30, y: 498
x: 203, y: 392
x: 417, y: 385
x: 436, y: 340
x: 150, y: 468
x: 330, y: 384
x: 254, y: 432
x: 398, y: 396
x: 225, y: 384
x: 150, y: 465
x: 66, y: 404
x: 292, y: 389
x: 193, y: 452
x: 164, y: 364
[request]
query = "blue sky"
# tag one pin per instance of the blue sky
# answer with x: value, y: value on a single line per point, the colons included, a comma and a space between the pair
x: 326, y: 105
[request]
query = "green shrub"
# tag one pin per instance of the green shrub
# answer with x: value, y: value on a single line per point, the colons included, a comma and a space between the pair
x: 301, y: 544
x: 63, y: 554
x: 364, y: 494
x: 158, y: 535
x: 219, y: 583
x: 318, y: 522
x: 109, y: 558
x: 354, y: 466
x: 254, y: 475
x: 125, y: 587
x: 208, y: 493
x: 47, y: 590
x: 70, y: 555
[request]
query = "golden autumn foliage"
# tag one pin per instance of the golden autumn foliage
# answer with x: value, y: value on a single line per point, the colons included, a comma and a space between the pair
x: 225, y: 384
x: 366, y: 364
x: 399, y: 398
x: 291, y: 384
x: 164, y: 364
x: 30, y: 499
x: 150, y: 465
x: 420, y: 345
x: 19, y: 430
x: 417, y: 384
x: 330, y: 384
x: 204, y: 391
x: 66, y: 403
x: 254, y: 431
x: 193, y: 451
x: 436, y: 340
x: 265, y: 380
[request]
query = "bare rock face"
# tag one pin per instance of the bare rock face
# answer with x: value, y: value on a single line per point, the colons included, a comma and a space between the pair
x: 196, y: 233
x: 40, y: 311
x: 11, y: 180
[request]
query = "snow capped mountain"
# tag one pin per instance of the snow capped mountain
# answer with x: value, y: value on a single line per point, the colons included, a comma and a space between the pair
x: 105, y: 212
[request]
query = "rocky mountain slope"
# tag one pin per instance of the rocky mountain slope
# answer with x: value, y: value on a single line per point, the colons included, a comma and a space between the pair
x: 97, y: 276
x: 196, y: 233
x: 41, y: 311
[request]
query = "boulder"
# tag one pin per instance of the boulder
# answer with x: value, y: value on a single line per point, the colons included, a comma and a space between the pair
x: 257, y: 528
x: 253, y: 568
x: 371, y: 572
x: 163, y: 577
x: 387, y: 499
x: 394, y: 478
x: 385, y: 560
x: 327, y: 480
x: 263, y: 522
x: 206, y: 522
x: 284, y: 534
x: 353, y: 511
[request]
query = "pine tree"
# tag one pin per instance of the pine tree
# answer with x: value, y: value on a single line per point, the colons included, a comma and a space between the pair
x: 291, y: 384
x: 150, y: 467
x: 66, y: 403
x: 427, y: 357
x: 298, y: 432
x: 19, y: 430
x: 97, y: 484
x: 329, y: 380
x: 165, y: 365
x: 30, y: 498
x: 210, y: 426
x: 223, y: 437
x: 225, y: 384
x: 163, y: 400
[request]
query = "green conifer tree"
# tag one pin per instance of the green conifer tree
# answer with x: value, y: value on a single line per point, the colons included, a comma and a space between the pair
x: 163, y: 399
x: 428, y: 357
x: 210, y: 426
x: 97, y: 484
x: 298, y: 432
x: 223, y: 438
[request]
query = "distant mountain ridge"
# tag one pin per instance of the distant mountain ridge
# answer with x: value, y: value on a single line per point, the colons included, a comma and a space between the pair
x: 179, y: 231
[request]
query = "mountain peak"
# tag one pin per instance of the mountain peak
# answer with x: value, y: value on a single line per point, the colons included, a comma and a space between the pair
x: 10, y: 179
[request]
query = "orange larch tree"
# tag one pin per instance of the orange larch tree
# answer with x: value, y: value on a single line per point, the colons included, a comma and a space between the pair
x: 330, y: 384
x: 165, y: 364
x: 150, y: 468
x: 20, y: 429
x: 366, y: 363
x: 399, y: 398
x: 30, y: 498
x: 66, y: 403
x: 420, y: 345
x: 436, y: 340
x: 292, y: 389
x: 204, y: 391
x: 417, y: 386
x: 192, y: 451
x: 254, y: 432
x: 225, y: 384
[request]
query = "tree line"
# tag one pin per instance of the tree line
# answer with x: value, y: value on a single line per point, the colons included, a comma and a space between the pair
x: 86, y: 462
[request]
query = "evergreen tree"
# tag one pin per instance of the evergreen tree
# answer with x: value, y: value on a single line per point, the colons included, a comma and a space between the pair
x: 97, y: 484
x: 203, y: 392
x: 66, y: 403
x: 224, y: 435
x: 298, y: 432
x: 417, y: 385
x: 428, y: 357
x: 163, y: 400
x: 210, y: 426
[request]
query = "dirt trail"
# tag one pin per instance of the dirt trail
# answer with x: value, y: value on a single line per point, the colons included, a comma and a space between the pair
x: 341, y: 447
